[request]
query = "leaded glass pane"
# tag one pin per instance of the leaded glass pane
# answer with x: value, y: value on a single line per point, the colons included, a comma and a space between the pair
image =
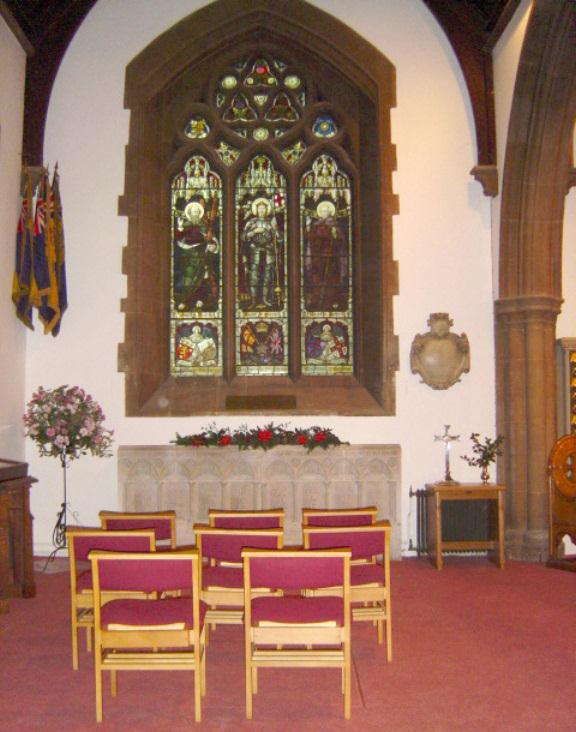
x: 197, y: 128
x: 262, y: 347
x: 292, y: 81
x: 261, y: 270
x: 324, y: 126
x: 326, y: 269
x: 293, y: 153
x: 239, y: 110
x: 261, y: 75
x: 326, y: 346
x: 282, y: 110
x: 196, y: 269
x: 196, y: 348
x: 227, y: 153
x: 261, y: 133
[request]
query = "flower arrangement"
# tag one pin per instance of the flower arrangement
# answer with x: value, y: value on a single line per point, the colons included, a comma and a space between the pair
x: 484, y: 452
x: 264, y: 438
x: 66, y: 422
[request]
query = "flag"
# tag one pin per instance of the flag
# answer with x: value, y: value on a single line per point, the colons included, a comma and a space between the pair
x: 59, y: 250
x: 44, y: 258
x: 23, y: 289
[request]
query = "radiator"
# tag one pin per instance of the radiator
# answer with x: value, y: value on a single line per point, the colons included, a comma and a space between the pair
x: 461, y: 521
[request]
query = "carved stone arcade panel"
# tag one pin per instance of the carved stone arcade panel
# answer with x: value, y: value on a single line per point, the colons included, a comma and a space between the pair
x: 192, y: 480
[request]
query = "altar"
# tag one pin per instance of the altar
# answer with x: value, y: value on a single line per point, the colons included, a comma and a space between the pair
x: 192, y: 480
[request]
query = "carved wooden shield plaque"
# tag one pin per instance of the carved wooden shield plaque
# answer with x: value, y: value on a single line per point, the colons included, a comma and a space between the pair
x: 440, y: 357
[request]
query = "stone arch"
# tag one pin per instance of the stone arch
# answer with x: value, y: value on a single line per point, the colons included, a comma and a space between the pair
x: 154, y: 81
x: 537, y: 175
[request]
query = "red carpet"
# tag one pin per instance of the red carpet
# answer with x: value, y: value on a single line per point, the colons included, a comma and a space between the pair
x: 475, y: 648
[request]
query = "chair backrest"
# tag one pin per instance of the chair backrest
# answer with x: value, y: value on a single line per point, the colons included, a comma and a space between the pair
x: 163, y: 522
x: 366, y: 542
x: 145, y: 572
x: 272, y: 518
x: 225, y: 545
x: 82, y: 540
x: 296, y: 569
x: 339, y: 516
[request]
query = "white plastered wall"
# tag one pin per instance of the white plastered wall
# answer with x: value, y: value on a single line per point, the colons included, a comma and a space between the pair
x: 442, y: 240
x: 12, y: 332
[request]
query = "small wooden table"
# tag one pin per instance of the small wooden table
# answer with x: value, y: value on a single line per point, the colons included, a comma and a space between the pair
x: 437, y: 493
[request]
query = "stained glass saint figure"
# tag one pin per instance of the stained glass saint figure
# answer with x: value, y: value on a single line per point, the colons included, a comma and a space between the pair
x: 196, y: 260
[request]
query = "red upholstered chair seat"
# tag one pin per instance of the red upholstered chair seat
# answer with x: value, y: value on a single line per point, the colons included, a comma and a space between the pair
x: 297, y: 610
x: 151, y: 612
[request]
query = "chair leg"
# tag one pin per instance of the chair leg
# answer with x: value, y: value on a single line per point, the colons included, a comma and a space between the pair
x: 248, y: 670
x: 74, y: 645
x: 197, y: 695
x: 98, y: 686
x: 113, y: 683
x: 88, y: 639
x: 388, y: 639
x: 347, y: 683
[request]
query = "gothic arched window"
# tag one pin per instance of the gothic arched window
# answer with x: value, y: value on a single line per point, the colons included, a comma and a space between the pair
x: 259, y: 251
x: 292, y: 242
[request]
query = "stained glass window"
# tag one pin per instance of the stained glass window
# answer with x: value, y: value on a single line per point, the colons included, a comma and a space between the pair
x: 326, y: 261
x: 196, y: 271
x: 290, y: 248
x: 261, y: 270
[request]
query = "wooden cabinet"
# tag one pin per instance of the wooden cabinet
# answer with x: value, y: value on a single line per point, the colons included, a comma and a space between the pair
x: 437, y: 494
x: 16, y: 565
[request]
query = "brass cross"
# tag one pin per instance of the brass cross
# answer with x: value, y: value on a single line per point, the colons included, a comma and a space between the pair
x: 447, y: 438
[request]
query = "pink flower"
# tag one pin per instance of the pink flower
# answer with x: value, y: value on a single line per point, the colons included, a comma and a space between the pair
x: 50, y: 431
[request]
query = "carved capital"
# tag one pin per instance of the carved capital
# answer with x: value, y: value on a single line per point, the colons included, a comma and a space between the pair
x: 487, y: 176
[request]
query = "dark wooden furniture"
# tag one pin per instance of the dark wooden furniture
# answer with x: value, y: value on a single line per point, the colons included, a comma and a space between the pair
x: 439, y: 493
x: 16, y: 567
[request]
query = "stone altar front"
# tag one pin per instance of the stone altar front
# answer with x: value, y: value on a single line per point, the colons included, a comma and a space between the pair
x: 192, y: 480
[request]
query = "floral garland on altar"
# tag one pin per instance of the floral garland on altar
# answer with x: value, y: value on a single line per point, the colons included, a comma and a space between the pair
x: 264, y: 438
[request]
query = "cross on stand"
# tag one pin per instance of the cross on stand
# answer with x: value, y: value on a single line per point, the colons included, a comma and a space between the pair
x: 447, y: 438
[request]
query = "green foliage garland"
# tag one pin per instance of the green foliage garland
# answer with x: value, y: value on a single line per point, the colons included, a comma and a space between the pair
x: 264, y: 438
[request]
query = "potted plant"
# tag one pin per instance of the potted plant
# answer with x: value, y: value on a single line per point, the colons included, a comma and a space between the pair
x: 485, y: 452
x: 66, y: 423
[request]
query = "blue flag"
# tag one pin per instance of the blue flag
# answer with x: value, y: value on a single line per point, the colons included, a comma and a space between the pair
x: 44, y: 258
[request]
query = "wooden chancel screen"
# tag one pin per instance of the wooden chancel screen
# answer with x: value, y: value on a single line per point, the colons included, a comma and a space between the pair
x: 562, y: 496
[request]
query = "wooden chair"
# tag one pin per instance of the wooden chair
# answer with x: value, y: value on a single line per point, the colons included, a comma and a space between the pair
x: 80, y: 542
x: 155, y: 632
x: 221, y: 577
x: 272, y: 518
x: 369, y: 573
x: 339, y: 516
x: 163, y: 523
x: 296, y: 630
